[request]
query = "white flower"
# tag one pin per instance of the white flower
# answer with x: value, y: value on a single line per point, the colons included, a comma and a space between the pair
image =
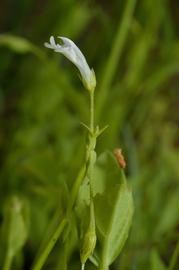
x: 73, y: 53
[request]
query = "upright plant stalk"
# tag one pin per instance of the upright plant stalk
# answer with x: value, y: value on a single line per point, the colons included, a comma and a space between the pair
x: 89, y: 241
x: 103, y: 265
x: 92, y: 156
x: 69, y: 49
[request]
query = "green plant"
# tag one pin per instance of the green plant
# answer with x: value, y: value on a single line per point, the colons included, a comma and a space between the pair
x: 134, y: 48
x: 114, y: 224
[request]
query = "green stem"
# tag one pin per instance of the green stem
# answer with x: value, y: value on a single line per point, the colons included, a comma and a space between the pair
x: 103, y: 263
x: 92, y: 216
x: 44, y: 255
x: 174, y: 257
x: 91, y: 164
x: 92, y: 111
x: 92, y: 145
x: 103, y: 267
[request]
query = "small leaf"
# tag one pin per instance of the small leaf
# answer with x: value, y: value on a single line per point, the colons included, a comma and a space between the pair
x: 113, y: 209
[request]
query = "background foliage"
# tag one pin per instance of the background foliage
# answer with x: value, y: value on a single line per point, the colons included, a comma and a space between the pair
x: 134, y: 48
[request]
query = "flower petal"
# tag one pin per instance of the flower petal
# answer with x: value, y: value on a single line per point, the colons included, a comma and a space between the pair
x: 47, y: 45
x: 69, y: 49
x: 52, y: 41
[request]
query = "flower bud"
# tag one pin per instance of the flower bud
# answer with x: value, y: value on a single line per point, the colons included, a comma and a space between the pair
x: 89, y: 244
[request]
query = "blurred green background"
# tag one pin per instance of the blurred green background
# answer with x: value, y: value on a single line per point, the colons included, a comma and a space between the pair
x: 133, y: 47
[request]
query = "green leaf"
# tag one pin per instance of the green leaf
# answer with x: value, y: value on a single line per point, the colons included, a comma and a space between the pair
x: 14, y: 227
x: 156, y: 262
x: 113, y: 209
x: 19, y: 44
x: 98, y: 183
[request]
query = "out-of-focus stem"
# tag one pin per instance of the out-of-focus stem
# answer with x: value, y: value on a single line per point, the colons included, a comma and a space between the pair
x: 115, y: 54
x: 44, y: 255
